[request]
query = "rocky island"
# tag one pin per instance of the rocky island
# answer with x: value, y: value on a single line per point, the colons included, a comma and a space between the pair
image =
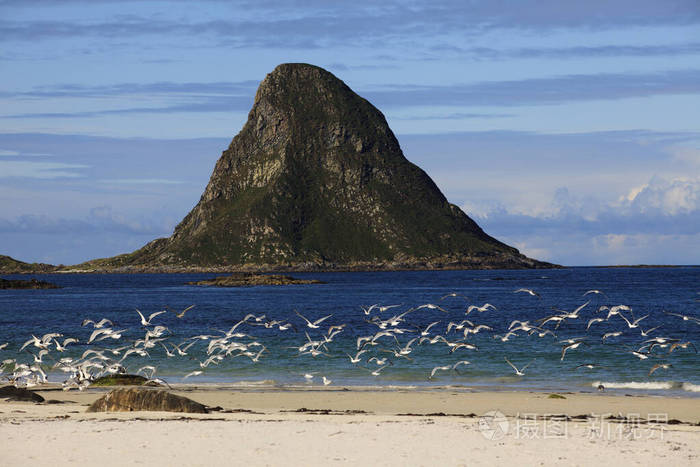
x: 26, y: 284
x: 316, y: 180
x: 244, y: 279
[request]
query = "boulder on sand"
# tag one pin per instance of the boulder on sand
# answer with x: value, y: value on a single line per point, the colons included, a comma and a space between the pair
x: 13, y: 393
x: 137, y: 399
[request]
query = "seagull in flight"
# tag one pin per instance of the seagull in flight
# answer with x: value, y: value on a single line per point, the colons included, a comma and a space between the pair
x: 97, y: 325
x: 453, y: 294
x: 571, y: 346
x: 356, y: 358
x: 635, y: 323
x: 182, y: 313
x: 439, y: 368
x: 147, y: 322
x: 590, y: 366
x: 592, y: 321
x: 664, y: 366
x: 426, y: 332
x: 430, y: 306
x: 519, y: 372
x: 595, y: 291
x: 682, y: 345
x: 315, y: 324
x: 610, y: 334
x: 378, y: 370
x: 646, y: 333
x: 528, y: 291
x: 481, y: 308
x: 381, y: 309
x: 685, y: 317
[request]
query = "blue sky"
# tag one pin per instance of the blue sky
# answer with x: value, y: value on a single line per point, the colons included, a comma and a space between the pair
x: 570, y: 130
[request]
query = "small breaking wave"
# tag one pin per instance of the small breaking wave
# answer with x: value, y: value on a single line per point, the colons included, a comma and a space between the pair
x: 691, y: 387
x: 254, y: 383
x: 648, y: 385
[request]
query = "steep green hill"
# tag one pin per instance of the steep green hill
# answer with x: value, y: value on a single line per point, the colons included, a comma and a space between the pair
x: 10, y: 265
x: 316, y: 178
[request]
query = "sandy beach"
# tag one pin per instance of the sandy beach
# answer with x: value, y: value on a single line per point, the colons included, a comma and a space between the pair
x: 357, y: 425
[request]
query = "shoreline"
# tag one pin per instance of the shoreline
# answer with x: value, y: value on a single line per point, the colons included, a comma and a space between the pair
x: 397, y: 401
x: 264, y: 269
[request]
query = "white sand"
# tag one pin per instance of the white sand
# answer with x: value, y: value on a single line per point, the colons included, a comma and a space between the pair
x: 63, y: 434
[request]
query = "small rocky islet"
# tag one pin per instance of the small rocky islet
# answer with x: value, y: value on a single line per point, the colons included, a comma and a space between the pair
x: 26, y: 284
x: 245, y: 279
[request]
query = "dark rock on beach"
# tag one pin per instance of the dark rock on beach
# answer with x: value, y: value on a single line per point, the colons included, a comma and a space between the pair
x: 14, y: 393
x: 248, y: 279
x: 26, y: 284
x: 138, y: 399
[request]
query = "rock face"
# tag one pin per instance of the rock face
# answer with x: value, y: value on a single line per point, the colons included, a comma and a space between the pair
x: 136, y: 399
x: 244, y: 279
x: 13, y: 393
x: 316, y: 178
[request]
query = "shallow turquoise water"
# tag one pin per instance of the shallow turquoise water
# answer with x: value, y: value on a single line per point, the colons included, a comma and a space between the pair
x: 647, y: 291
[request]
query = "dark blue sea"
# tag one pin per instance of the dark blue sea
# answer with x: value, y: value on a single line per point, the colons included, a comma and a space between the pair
x: 646, y: 291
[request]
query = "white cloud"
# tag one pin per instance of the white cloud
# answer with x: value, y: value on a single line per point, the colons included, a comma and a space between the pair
x: 656, y: 223
x: 679, y: 195
x: 41, y: 170
x: 12, y: 153
x: 141, y: 181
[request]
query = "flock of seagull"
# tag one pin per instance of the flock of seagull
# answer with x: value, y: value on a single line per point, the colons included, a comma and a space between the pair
x: 394, y: 335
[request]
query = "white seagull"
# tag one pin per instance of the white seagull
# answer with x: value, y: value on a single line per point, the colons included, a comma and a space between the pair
x: 528, y: 291
x: 315, y: 324
x: 521, y: 371
x: 147, y: 322
x: 439, y: 368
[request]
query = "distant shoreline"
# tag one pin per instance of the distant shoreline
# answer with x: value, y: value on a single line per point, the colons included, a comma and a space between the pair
x: 224, y: 270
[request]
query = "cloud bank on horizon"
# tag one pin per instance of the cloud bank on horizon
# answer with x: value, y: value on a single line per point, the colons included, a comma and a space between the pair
x: 567, y: 130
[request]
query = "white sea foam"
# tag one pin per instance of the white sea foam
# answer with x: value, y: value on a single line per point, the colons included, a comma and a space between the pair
x: 264, y: 382
x: 691, y: 387
x: 650, y: 385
